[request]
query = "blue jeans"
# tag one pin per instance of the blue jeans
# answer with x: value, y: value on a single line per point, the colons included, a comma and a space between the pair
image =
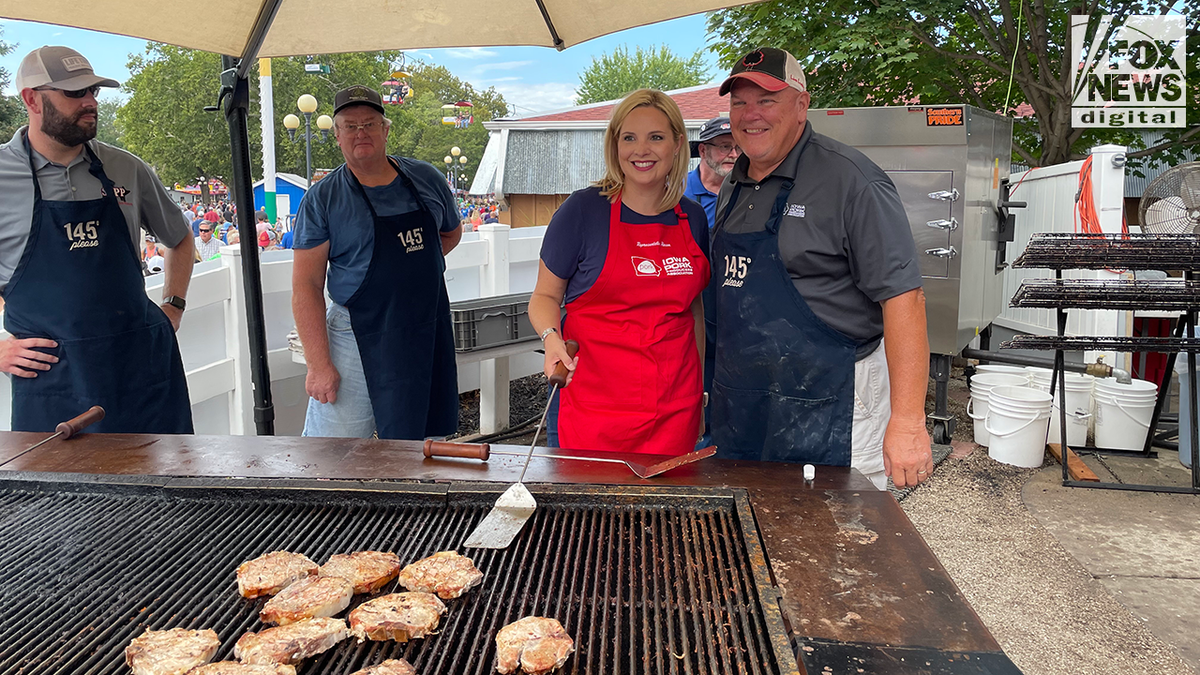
x: 351, y: 415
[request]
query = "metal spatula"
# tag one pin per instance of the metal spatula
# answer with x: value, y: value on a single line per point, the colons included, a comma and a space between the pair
x: 504, y: 522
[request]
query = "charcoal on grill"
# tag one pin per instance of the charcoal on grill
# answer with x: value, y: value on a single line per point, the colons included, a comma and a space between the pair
x: 369, y: 571
x: 170, y: 652
x: 235, y: 668
x: 307, y: 598
x: 389, y: 667
x: 397, y: 616
x: 535, y: 645
x: 292, y: 643
x: 446, y: 573
x: 270, y: 573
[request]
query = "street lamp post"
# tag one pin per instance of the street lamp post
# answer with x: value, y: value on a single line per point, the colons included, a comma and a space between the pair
x: 452, y: 167
x: 307, y: 103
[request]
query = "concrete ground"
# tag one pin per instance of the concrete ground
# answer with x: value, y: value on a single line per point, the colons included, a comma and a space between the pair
x: 1069, y: 580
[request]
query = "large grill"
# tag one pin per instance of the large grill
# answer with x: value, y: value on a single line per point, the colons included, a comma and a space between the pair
x: 645, y: 580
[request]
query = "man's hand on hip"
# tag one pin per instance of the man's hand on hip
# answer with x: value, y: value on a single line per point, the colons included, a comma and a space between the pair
x: 322, y: 383
x: 907, y: 455
x: 174, y: 314
x: 18, y: 357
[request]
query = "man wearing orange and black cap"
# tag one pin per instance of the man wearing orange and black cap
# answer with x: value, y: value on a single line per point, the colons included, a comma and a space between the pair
x: 821, y: 347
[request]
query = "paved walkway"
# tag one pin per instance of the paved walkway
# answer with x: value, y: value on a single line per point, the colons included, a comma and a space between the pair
x: 1068, y: 580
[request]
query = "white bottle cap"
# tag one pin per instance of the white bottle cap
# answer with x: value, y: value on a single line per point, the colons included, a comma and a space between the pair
x: 810, y: 472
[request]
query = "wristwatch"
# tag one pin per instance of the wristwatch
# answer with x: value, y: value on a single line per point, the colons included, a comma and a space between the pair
x: 175, y: 301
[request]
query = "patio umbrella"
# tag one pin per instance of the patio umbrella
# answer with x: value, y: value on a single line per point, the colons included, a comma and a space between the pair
x: 252, y: 28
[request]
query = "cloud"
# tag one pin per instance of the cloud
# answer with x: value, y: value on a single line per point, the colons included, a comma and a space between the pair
x: 531, y: 98
x: 472, y: 53
x: 497, y: 80
x: 502, y: 65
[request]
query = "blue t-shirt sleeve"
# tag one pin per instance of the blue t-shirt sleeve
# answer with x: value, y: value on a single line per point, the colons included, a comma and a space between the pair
x: 436, y: 192
x: 563, y: 241
x: 311, y: 228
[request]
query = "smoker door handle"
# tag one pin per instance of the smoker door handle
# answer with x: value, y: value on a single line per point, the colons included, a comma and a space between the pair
x: 950, y: 195
x: 942, y: 224
x: 942, y: 252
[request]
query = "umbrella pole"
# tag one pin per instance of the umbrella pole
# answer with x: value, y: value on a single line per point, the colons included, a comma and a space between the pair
x: 236, y: 89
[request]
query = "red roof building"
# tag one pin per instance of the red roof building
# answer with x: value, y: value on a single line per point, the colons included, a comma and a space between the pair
x: 696, y: 103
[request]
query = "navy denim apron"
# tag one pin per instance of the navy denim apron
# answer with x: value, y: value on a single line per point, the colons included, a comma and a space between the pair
x: 783, y: 385
x: 80, y: 284
x: 400, y: 316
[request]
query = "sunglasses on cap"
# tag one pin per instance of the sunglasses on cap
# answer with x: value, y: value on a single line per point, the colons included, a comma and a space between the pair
x: 73, y: 93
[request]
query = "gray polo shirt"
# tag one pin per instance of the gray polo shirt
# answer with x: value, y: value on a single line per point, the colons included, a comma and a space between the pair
x: 844, y: 237
x: 143, y: 199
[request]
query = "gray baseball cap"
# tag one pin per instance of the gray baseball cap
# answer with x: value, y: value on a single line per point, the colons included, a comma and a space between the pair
x: 58, y: 68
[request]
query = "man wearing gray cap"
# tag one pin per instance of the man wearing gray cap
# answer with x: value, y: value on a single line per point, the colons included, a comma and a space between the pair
x: 717, y: 153
x: 81, y: 326
x: 376, y: 230
x: 822, y: 354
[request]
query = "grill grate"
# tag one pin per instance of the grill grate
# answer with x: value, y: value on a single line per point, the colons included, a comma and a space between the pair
x: 1162, y: 345
x: 1062, y: 251
x: 1108, y: 294
x: 644, y: 581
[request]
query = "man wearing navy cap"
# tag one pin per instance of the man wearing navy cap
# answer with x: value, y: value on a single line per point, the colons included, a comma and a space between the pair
x: 376, y: 230
x: 822, y: 353
x: 717, y: 153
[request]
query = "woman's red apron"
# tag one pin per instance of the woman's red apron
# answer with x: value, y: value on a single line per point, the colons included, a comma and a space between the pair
x: 637, y: 385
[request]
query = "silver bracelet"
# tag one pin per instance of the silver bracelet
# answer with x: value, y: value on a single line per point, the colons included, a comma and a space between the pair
x: 547, y: 332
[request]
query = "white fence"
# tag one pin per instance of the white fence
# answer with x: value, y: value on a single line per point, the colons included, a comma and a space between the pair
x: 1050, y: 195
x: 214, y: 341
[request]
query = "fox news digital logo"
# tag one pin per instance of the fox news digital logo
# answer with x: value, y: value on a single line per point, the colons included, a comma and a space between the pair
x: 1129, y: 75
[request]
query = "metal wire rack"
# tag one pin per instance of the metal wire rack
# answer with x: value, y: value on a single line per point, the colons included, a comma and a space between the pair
x: 1062, y: 251
x: 1163, y: 295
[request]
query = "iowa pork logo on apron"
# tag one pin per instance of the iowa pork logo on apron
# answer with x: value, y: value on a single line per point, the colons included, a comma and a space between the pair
x: 645, y: 267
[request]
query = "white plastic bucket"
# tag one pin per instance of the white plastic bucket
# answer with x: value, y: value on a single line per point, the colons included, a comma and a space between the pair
x: 1007, y: 370
x: 1017, y: 421
x: 1079, y: 406
x: 1123, y: 413
x: 977, y: 407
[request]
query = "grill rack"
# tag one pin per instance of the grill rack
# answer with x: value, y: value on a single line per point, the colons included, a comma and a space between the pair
x: 1063, y: 251
x: 645, y: 580
x: 1166, y: 295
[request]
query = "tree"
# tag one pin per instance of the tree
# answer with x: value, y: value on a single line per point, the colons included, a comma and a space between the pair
x: 613, y: 75
x: 107, y: 128
x: 894, y: 52
x: 12, y: 111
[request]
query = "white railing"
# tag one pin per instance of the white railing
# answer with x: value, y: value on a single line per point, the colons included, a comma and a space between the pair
x: 1050, y: 196
x: 214, y: 341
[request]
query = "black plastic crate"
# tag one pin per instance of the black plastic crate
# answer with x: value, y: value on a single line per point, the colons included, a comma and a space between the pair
x: 491, y: 322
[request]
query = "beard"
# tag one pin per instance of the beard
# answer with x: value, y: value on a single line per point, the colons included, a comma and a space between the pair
x: 65, y: 129
x: 718, y: 167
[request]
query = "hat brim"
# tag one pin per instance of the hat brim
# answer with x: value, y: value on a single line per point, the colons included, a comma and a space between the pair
x: 370, y: 104
x: 768, y: 82
x: 83, y: 82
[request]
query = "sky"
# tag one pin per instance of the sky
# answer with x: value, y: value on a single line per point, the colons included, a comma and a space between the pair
x: 534, y: 79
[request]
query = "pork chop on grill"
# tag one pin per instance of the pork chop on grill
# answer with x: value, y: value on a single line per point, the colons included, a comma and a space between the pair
x: 171, y: 652
x: 536, y: 644
x: 397, y: 616
x: 235, y: 668
x: 308, y: 598
x: 270, y: 573
x: 446, y: 573
x: 369, y: 571
x: 389, y: 667
x: 292, y: 643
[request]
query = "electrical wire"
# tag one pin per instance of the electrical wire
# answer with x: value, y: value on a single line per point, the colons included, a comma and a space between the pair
x: 1012, y: 67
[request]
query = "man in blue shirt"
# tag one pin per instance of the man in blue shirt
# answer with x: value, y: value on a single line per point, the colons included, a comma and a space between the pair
x: 717, y: 153
x: 381, y: 357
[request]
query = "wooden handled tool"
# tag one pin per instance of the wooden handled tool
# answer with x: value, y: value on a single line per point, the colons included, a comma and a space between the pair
x: 69, y: 428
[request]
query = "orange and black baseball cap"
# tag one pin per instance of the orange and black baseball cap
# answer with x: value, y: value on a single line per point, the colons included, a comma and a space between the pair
x: 770, y: 68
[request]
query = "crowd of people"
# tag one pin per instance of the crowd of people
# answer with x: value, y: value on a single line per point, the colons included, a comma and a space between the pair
x: 213, y: 226
x: 474, y: 211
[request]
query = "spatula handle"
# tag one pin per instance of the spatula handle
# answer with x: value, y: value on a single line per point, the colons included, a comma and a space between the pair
x: 559, y: 376
x: 79, y: 423
x: 446, y: 449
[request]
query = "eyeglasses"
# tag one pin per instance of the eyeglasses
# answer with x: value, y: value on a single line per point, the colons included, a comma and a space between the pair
x: 355, y: 128
x: 204, y: 230
x: 723, y: 150
x: 73, y: 93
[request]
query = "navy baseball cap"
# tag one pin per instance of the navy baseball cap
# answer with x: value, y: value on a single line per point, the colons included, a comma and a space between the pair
x: 717, y: 126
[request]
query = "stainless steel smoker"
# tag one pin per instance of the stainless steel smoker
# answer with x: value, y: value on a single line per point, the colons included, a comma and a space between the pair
x: 950, y: 165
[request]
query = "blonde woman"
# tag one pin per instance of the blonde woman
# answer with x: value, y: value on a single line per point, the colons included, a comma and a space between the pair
x: 629, y: 256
